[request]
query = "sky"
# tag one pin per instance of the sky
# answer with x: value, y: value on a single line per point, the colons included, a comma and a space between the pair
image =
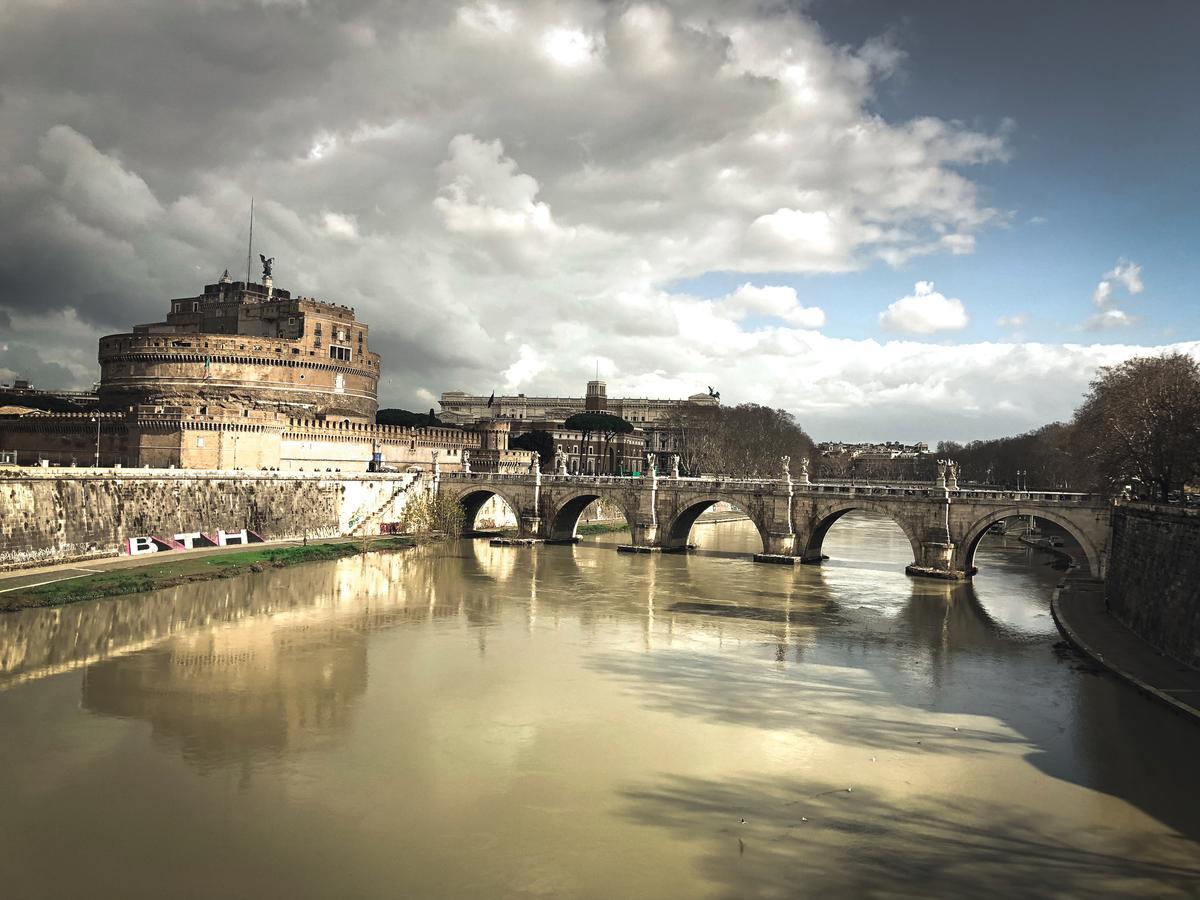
x: 897, y: 219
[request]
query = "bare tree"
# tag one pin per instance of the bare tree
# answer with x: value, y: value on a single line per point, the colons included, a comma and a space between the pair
x: 743, y: 440
x: 1044, y: 457
x: 1139, y: 427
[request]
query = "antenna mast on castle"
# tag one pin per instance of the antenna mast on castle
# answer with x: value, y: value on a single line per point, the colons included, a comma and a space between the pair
x: 250, y: 243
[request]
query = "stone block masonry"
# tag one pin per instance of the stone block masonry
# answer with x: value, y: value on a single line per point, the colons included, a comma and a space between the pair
x: 1153, y: 581
x: 58, y: 516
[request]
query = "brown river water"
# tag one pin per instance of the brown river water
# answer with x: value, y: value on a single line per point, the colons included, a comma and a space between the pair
x: 470, y: 721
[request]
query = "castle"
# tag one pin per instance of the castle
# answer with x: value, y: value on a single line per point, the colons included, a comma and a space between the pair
x: 246, y: 376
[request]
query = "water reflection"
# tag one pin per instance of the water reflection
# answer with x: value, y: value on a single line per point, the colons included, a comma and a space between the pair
x: 546, y: 720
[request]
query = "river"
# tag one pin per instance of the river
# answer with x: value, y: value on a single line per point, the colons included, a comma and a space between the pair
x: 473, y: 721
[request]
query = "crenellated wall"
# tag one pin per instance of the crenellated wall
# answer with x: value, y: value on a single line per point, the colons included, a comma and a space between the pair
x: 57, y: 516
x: 1153, y: 581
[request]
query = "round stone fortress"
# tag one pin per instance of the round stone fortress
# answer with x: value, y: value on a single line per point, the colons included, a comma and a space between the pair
x: 245, y: 349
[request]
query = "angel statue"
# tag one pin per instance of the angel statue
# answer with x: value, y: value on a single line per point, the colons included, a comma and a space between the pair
x: 786, y: 462
x: 650, y: 463
x: 267, y: 264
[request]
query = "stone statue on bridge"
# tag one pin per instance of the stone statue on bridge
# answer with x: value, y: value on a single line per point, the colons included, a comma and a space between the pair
x: 674, y: 465
x: 952, y: 480
x: 533, y: 465
x: 560, y: 461
x: 804, y: 470
x: 785, y: 463
x: 651, y: 465
x: 941, y: 474
x: 466, y: 463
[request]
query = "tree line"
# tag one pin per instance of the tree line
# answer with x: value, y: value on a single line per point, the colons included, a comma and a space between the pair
x: 1137, y: 433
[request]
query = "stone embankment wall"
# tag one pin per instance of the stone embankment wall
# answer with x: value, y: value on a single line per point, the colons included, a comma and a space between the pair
x: 59, y: 516
x: 1153, y: 581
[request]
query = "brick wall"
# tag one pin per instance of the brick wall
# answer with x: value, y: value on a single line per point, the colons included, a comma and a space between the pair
x: 1153, y: 581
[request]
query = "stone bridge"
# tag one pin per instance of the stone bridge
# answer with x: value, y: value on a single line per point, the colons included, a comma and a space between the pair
x: 944, y: 523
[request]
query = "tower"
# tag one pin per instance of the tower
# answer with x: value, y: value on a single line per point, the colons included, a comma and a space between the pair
x: 597, y: 397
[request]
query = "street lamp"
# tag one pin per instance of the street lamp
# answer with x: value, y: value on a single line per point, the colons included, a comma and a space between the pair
x: 97, y: 421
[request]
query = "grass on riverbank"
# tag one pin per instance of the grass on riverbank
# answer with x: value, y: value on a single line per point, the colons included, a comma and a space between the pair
x: 601, y: 528
x: 184, y: 570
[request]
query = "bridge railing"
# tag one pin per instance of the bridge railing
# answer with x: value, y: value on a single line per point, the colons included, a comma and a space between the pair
x: 838, y: 488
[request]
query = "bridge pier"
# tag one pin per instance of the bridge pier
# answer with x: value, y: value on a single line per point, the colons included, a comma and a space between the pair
x: 936, y: 561
x: 779, y: 547
x: 643, y: 538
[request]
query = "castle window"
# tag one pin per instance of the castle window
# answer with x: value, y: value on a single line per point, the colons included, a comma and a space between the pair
x: 200, y: 442
x: 195, y: 305
x: 342, y: 353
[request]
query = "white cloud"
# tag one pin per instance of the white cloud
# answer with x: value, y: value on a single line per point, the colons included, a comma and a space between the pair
x: 567, y: 46
x: 925, y: 311
x: 959, y: 244
x: 527, y: 366
x: 772, y: 300
x: 1124, y: 274
x: 1017, y: 320
x: 1109, y: 318
x: 1129, y: 274
x: 483, y: 191
x: 340, y: 226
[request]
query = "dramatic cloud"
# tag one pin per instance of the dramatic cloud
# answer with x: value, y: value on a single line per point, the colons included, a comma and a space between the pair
x: 506, y: 192
x: 925, y: 311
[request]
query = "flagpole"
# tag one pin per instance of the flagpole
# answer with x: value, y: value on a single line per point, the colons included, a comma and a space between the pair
x: 250, y: 243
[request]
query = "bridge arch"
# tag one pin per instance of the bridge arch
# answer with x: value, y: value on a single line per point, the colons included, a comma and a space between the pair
x: 675, y: 535
x: 974, y: 534
x: 826, y: 518
x: 565, y: 514
x: 472, y: 499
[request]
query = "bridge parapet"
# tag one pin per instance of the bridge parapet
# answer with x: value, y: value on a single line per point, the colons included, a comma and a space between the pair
x: 944, y: 523
x: 992, y: 496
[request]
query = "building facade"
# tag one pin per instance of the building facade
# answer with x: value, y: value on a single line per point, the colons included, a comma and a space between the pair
x: 654, y: 422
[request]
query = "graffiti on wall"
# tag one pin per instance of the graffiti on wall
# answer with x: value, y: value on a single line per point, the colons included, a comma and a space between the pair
x: 190, y: 540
